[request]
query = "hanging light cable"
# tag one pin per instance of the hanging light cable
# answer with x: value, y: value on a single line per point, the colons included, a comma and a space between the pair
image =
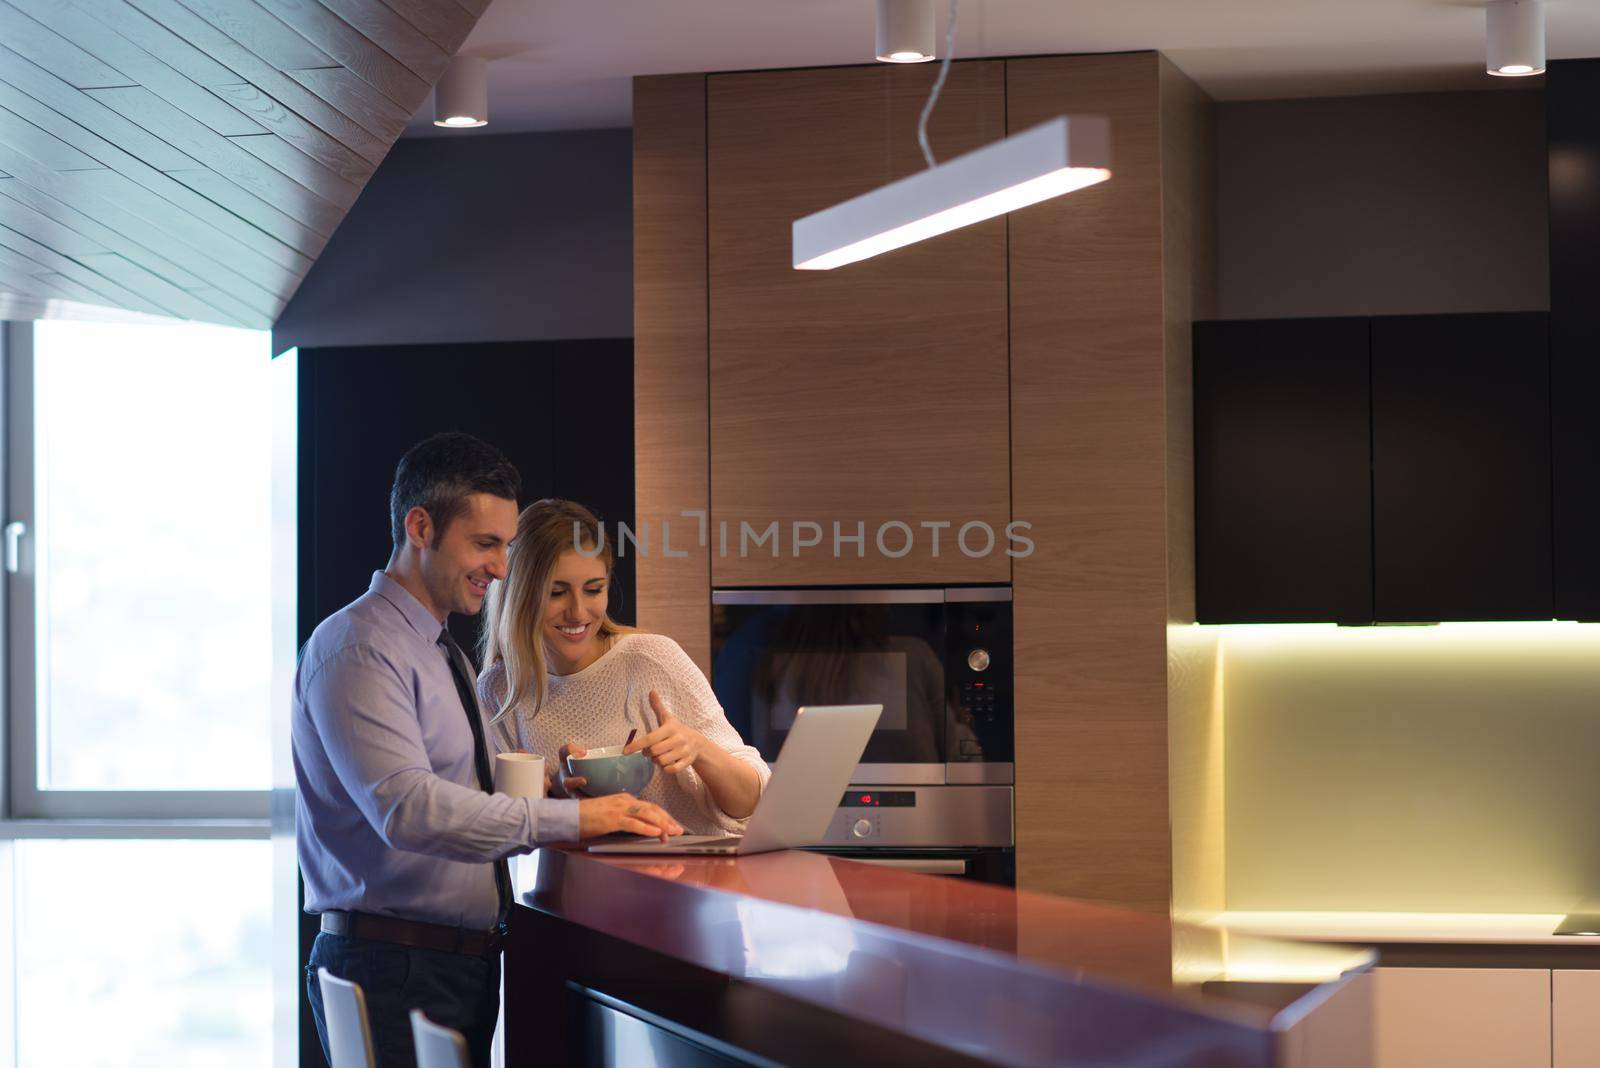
x: 1066, y: 153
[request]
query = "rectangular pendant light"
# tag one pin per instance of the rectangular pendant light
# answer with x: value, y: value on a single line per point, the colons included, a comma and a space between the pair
x: 1055, y: 157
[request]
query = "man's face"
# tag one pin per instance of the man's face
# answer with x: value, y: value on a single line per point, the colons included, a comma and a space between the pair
x: 470, y: 555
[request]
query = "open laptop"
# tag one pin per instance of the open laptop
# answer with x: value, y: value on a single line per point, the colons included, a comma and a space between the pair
x: 808, y: 778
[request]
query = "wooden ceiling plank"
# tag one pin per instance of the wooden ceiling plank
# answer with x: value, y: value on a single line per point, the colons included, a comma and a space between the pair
x: 41, y: 145
x: 288, y: 160
x: 221, y: 155
x: 445, y: 24
x: 30, y: 222
x: 353, y: 97
x: 98, y: 230
x: 187, y: 207
x: 249, y: 260
x: 249, y: 316
x: 394, y: 35
x: 20, y: 264
x: 115, y: 294
x: 29, y: 285
x: 308, y: 138
x: 341, y: 41
x: 145, y: 69
x: 475, y: 8
x: 153, y: 248
x: 55, y: 53
x: 23, y: 77
x: 254, y: 210
x: 246, y: 65
x: 156, y: 39
x: 256, y: 29
x: 136, y: 278
x: 72, y: 290
x: 125, y: 231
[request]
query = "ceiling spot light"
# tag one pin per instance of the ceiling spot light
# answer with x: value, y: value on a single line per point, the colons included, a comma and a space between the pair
x: 905, y: 31
x: 1515, y: 32
x: 461, y: 99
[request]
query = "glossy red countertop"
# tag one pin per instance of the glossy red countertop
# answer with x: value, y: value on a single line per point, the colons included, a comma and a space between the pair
x: 1015, y: 975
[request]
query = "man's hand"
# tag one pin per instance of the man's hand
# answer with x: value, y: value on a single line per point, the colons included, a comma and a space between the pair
x: 624, y: 812
x: 674, y: 745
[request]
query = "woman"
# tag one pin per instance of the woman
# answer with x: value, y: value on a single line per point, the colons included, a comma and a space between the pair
x: 562, y: 676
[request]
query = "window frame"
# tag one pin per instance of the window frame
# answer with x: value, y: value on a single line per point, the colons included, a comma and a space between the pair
x: 103, y: 813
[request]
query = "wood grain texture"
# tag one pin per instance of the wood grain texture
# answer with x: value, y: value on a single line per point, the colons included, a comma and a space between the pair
x: 189, y: 158
x: 1195, y: 747
x: 1089, y: 438
x: 869, y: 394
x: 670, y: 353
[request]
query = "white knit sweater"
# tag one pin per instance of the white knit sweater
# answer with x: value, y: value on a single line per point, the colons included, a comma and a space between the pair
x: 598, y: 705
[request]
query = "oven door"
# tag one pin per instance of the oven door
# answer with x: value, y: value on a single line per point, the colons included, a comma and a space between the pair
x: 776, y: 650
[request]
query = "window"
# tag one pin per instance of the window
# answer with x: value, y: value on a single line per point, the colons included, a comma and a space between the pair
x: 140, y: 472
x: 144, y: 639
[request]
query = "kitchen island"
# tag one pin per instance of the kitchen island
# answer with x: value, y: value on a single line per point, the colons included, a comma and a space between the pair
x: 799, y: 958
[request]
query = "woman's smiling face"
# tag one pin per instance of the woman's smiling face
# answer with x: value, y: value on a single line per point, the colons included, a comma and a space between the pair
x: 574, y: 605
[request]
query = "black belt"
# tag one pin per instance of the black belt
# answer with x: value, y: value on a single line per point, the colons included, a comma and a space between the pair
x: 414, y: 933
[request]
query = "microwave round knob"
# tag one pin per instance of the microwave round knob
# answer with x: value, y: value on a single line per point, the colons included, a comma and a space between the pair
x: 978, y: 659
x: 862, y: 828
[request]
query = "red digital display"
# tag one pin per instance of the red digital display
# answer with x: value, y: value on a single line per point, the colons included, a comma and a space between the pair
x: 879, y: 799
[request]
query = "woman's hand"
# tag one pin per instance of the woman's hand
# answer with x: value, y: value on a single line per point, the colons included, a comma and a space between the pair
x: 674, y: 746
x: 564, y: 784
x: 624, y: 812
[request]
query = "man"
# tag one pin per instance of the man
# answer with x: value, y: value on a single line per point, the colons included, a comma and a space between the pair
x: 401, y: 842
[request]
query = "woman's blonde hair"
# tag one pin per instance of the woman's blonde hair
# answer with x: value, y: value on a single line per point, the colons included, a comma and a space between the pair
x: 514, y: 615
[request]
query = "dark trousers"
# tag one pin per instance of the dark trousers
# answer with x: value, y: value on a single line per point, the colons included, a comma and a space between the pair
x: 451, y: 988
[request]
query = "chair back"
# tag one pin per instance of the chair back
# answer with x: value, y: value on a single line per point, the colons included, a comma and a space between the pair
x: 437, y: 1046
x: 344, y: 1012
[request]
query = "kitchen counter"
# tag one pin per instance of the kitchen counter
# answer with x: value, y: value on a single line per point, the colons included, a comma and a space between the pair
x: 799, y: 958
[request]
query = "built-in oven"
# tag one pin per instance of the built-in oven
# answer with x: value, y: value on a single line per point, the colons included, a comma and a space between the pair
x: 933, y: 791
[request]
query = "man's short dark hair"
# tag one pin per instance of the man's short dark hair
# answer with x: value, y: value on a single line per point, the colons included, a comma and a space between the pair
x: 440, y: 473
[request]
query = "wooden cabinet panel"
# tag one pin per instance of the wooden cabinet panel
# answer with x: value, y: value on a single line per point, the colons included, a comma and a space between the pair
x: 872, y: 393
x: 1573, y: 126
x: 1282, y: 471
x: 670, y: 352
x: 1089, y: 432
x: 1462, y: 1017
x: 1461, y: 467
x: 1574, y: 1018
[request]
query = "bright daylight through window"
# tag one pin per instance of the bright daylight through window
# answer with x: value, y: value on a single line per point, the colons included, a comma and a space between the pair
x: 152, y: 556
x: 139, y: 547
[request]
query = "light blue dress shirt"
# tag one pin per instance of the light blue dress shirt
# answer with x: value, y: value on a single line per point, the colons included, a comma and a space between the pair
x: 390, y: 817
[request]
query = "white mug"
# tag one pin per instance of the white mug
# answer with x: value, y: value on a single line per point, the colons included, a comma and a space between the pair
x: 519, y: 774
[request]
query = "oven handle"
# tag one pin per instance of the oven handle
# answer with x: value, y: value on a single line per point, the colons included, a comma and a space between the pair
x: 827, y: 597
x: 927, y: 866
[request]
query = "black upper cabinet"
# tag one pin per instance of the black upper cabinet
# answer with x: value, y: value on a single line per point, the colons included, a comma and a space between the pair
x: 1461, y: 467
x: 1572, y: 103
x: 1283, y: 522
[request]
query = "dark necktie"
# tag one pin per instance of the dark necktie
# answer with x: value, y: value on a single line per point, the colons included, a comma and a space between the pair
x: 480, y: 752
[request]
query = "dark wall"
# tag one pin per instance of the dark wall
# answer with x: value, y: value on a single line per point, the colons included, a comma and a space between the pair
x: 472, y: 238
x: 1382, y: 205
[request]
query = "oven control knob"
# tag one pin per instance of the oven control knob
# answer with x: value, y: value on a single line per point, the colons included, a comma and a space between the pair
x: 862, y: 828
x: 978, y: 660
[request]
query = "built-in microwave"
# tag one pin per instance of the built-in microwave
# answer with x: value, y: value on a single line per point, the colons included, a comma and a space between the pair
x: 938, y: 659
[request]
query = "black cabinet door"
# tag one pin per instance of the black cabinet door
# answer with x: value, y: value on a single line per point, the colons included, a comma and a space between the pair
x: 1283, y: 520
x: 1461, y: 467
x: 1572, y: 103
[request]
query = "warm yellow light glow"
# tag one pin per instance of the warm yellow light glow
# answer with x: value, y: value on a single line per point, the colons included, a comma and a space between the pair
x: 1508, y: 927
x: 1054, y: 184
x: 457, y: 121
